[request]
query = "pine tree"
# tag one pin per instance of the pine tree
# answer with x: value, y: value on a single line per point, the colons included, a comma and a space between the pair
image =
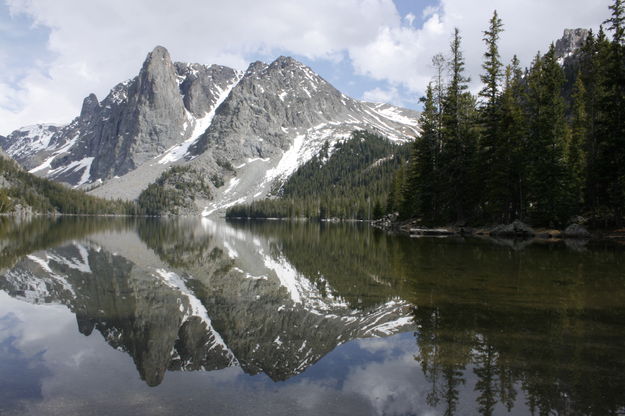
x: 547, y: 175
x: 494, y: 154
x: 506, y: 185
x: 421, y: 192
x: 492, y: 66
x: 458, y: 141
x: 575, y: 154
x: 617, y: 21
x: 615, y: 106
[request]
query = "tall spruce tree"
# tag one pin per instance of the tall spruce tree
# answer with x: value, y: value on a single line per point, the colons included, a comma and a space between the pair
x: 459, y: 141
x: 615, y: 106
x: 575, y: 154
x: 617, y: 21
x: 494, y: 158
x: 593, y: 64
x: 511, y: 155
x: 492, y: 66
x: 547, y: 174
x: 421, y: 192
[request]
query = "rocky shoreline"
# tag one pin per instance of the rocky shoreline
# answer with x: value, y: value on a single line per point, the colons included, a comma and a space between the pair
x: 516, y: 230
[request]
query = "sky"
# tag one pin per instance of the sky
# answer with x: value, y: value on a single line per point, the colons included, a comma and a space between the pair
x: 54, y: 53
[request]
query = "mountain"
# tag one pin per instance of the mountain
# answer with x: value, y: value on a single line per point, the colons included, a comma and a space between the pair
x: 254, y: 127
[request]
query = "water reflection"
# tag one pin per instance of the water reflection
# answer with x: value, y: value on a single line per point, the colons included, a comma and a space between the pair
x: 484, y: 327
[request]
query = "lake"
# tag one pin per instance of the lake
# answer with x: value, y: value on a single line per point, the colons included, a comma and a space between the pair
x: 103, y: 316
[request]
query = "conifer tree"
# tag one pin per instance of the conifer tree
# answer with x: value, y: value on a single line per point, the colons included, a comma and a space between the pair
x: 615, y: 119
x: 507, y: 186
x: 494, y: 155
x: 547, y: 174
x: 617, y: 21
x: 492, y: 66
x: 420, y: 199
x: 459, y: 141
x: 575, y: 154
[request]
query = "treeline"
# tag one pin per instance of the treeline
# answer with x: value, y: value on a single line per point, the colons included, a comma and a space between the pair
x: 349, y: 181
x: 533, y: 145
x: 44, y: 196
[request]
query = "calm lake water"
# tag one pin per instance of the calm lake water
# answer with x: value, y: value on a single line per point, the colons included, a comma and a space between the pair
x: 126, y: 317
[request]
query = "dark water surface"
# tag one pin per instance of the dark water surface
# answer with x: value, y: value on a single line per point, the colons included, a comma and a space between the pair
x: 107, y: 316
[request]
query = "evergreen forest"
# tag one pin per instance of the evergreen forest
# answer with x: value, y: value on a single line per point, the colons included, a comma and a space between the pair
x: 544, y: 144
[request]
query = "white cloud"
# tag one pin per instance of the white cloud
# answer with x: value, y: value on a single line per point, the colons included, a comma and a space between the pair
x: 395, y: 94
x: 93, y: 45
x: 379, y: 95
x: 402, y: 55
x: 98, y: 43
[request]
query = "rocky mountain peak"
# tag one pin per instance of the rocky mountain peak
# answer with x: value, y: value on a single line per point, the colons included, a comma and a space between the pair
x: 285, y: 61
x: 89, y: 106
x: 256, y: 68
x: 571, y: 41
x: 158, y: 54
x: 158, y: 74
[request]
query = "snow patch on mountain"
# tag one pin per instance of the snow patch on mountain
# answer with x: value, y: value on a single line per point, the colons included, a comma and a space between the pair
x: 200, y: 125
x: 75, y: 166
x: 47, y: 164
x: 34, y: 139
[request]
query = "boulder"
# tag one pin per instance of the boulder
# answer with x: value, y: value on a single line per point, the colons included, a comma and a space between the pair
x: 515, y: 229
x: 576, y: 231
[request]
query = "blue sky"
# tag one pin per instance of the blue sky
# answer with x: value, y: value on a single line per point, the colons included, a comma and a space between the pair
x: 54, y: 53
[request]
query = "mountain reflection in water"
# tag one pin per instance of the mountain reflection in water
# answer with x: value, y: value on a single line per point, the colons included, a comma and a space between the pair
x: 346, y: 318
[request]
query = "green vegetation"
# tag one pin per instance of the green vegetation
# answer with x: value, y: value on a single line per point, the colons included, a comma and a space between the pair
x: 44, y: 196
x: 173, y: 191
x: 353, y: 180
x: 540, y: 146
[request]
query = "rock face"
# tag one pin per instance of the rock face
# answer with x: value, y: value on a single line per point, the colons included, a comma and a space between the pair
x: 570, y: 42
x: 138, y: 120
x: 259, y: 125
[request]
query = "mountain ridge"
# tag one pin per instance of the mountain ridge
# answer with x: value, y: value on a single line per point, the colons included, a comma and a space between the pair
x: 214, y: 118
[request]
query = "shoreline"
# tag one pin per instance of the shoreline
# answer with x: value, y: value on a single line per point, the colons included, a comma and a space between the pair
x: 513, y: 231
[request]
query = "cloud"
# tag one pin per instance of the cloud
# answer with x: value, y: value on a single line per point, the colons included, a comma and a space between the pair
x: 410, y: 18
x: 89, y: 46
x: 402, y: 54
x: 96, y: 44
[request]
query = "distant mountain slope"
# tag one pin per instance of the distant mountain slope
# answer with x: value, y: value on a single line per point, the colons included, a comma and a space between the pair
x: 22, y: 192
x: 259, y: 125
x: 349, y: 179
